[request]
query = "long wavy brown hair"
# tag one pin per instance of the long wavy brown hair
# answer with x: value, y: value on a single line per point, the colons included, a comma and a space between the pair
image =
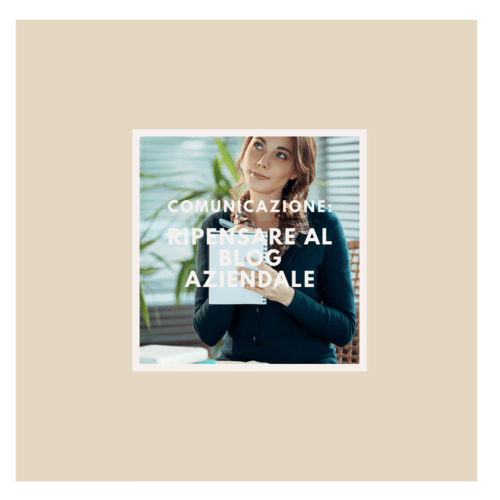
x: 304, y: 154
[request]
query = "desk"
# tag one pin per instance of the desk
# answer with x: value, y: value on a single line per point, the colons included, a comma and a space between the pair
x: 240, y: 362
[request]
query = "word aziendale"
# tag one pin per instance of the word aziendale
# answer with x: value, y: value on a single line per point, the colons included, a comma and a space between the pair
x: 264, y: 279
x: 217, y: 205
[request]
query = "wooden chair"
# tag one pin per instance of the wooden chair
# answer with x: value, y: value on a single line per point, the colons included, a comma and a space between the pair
x: 350, y: 353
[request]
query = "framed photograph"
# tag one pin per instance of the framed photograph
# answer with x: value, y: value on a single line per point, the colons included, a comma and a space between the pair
x: 307, y: 315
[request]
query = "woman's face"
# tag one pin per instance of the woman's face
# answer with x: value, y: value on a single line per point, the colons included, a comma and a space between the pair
x: 268, y: 165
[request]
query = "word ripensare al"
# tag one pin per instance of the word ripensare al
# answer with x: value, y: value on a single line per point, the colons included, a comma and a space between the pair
x: 187, y: 236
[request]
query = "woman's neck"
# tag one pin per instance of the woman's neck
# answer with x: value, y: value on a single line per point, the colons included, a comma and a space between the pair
x: 265, y: 219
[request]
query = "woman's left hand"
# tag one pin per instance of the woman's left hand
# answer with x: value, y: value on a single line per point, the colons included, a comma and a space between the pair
x: 281, y: 293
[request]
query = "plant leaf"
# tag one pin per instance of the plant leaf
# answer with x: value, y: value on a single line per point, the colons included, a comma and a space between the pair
x: 157, y: 315
x: 194, y: 194
x: 144, y: 308
x: 226, y: 183
x: 148, y: 176
x: 181, y: 280
x: 190, y: 196
x: 227, y: 158
x: 199, y: 219
x: 161, y: 259
x: 149, y: 271
x: 323, y: 184
x: 145, y: 244
x: 216, y: 170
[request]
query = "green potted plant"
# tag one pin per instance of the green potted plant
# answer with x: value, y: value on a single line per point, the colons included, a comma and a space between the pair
x: 222, y: 165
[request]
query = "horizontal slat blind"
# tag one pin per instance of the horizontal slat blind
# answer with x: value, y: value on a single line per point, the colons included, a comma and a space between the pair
x: 341, y: 164
x: 169, y: 325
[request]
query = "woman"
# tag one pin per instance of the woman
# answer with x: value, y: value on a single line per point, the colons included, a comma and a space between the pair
x: 299, y: 324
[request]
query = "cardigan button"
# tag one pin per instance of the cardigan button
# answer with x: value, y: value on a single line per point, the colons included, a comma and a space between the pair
x: 257, y: 309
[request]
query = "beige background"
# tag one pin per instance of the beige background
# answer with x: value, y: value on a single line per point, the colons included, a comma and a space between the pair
x: 82, y: 414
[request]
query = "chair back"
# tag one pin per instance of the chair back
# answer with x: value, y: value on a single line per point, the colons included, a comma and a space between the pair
x: 350, y: 353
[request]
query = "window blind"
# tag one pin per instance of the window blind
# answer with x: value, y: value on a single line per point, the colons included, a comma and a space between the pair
x: 339, y: 158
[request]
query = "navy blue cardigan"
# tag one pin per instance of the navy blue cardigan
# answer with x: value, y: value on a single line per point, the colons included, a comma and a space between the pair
x: 304, y: 331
